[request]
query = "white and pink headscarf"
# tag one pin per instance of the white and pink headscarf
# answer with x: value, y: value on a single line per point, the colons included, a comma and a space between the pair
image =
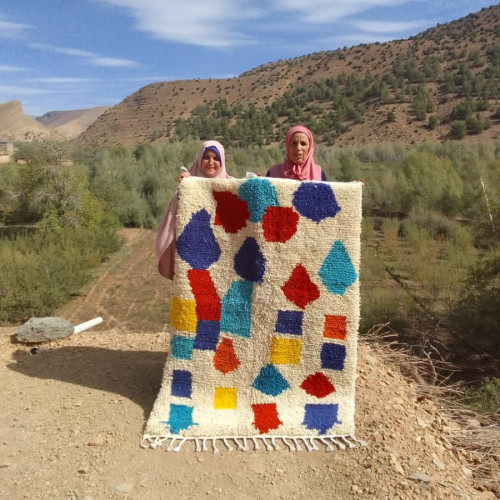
x: 165, y: 236
x: 307, y: 171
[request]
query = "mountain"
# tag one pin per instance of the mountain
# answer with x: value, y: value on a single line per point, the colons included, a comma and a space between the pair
x: 71, y: 123
x: 406, y: 91
x: 16, y: 126
x: 450, y: 62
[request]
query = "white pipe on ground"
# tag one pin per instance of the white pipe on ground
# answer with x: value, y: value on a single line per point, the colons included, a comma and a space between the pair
x: 87, y: 324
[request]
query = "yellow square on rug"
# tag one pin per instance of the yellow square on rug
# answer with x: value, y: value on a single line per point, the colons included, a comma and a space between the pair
x: 264, y: 316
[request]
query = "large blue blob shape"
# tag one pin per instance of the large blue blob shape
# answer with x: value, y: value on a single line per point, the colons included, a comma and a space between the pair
x: 197, y: 245
x: 249, y: 261
x: 259, y: 194
x: 316, y: 201
x: 337, y: 272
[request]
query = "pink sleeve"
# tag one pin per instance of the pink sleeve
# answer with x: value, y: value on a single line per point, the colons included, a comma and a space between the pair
x: 165, y: 240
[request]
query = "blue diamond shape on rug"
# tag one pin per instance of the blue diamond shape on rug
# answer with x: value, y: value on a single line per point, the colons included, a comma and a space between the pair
x: 197, y: 245
x: 259, y: 194
x: 270, y: 381
x: 315, y: 201
x: 321, y: 417
x: 337, y: 272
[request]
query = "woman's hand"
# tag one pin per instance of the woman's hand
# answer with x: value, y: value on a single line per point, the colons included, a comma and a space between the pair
x: 182, y: 175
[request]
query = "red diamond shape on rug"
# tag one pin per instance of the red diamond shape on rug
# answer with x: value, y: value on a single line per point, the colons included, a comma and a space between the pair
x: 299, y: 289
x: 317, y: 385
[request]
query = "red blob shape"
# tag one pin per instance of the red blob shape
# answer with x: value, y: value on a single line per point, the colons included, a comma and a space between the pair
x: 317, y: 385
x: 208, y: 304
x: 299, y: 289
x: 279, y: 223
x: 225, y: 359
x: 266, y: 417
x: 231, y: 212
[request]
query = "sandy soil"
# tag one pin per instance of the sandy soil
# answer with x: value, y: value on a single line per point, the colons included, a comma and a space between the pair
x: 73, y: 415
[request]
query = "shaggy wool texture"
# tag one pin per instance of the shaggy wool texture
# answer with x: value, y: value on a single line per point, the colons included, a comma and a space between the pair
x: 264, y: 316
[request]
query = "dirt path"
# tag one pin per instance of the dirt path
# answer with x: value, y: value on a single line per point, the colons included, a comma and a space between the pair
x: 128, y: 292
x: 73, y: 415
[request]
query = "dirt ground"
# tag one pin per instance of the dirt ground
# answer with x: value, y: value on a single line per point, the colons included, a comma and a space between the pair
x: 73, y: 415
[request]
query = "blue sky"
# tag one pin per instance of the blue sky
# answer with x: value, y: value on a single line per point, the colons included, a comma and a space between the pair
x: 77, y: 54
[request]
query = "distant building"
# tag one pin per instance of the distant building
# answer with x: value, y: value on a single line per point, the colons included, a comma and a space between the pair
x: 6, y: 150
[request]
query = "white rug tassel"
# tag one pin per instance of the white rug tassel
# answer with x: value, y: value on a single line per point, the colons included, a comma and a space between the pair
x: 198, y: 445
x: 307, y: 444
x: 329, y: 447
x: 214, y: 445
x: 290, y: 445
x: 179, y: 446
x: 268, y: 446
x: 204, y: 446
x: 297, y: 444
x: 255, y: 444
x: 169, y: 447
x: 244, y: 446
x: 313, y: 444
x: 359, y: 441
x: 228, y: 446
x: 274, y: 443
x: 338, y: 443
x: 349, y: 444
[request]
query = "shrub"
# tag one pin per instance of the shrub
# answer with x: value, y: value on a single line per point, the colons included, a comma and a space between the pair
x: 486, y: 398
x: 458, y: 129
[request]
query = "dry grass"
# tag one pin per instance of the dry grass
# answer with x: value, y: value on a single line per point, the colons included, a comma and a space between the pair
x: 476, y: 434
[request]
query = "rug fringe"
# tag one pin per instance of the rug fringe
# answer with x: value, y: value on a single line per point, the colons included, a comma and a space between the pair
x: 241, y: 443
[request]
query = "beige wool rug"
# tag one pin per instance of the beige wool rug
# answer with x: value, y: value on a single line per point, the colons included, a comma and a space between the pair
x: 264, y: 317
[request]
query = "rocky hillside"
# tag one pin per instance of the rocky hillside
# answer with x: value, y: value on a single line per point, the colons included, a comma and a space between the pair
x: 451, y: 61
x: 16, y: 126
x: 71, y: 123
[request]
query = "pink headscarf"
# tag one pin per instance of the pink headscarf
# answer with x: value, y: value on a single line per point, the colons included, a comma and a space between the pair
x: 165, y: 236
x: 307, y: 171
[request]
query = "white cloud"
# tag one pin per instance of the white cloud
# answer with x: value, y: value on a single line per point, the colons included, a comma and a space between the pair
x: 62, y: 80
x: 391, y: 27
x: 19, y: 90
x: 113, y: 62
x: 4, y: 68
x: 12, y: 30
x: 213, y: 23
x: 90, y: 57
x: 327, y: 11
x: 63, y: 50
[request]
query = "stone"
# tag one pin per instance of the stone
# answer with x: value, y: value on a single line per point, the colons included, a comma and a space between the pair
x: 37, y: 330
x: 420, y: 477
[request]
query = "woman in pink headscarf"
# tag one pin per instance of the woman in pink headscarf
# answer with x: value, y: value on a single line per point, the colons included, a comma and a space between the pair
x: 210, y: 163
x: 299, y: 162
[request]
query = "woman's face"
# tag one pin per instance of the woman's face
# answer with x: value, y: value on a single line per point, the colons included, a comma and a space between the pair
x: 210, y: 164
x: 298, y: 148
